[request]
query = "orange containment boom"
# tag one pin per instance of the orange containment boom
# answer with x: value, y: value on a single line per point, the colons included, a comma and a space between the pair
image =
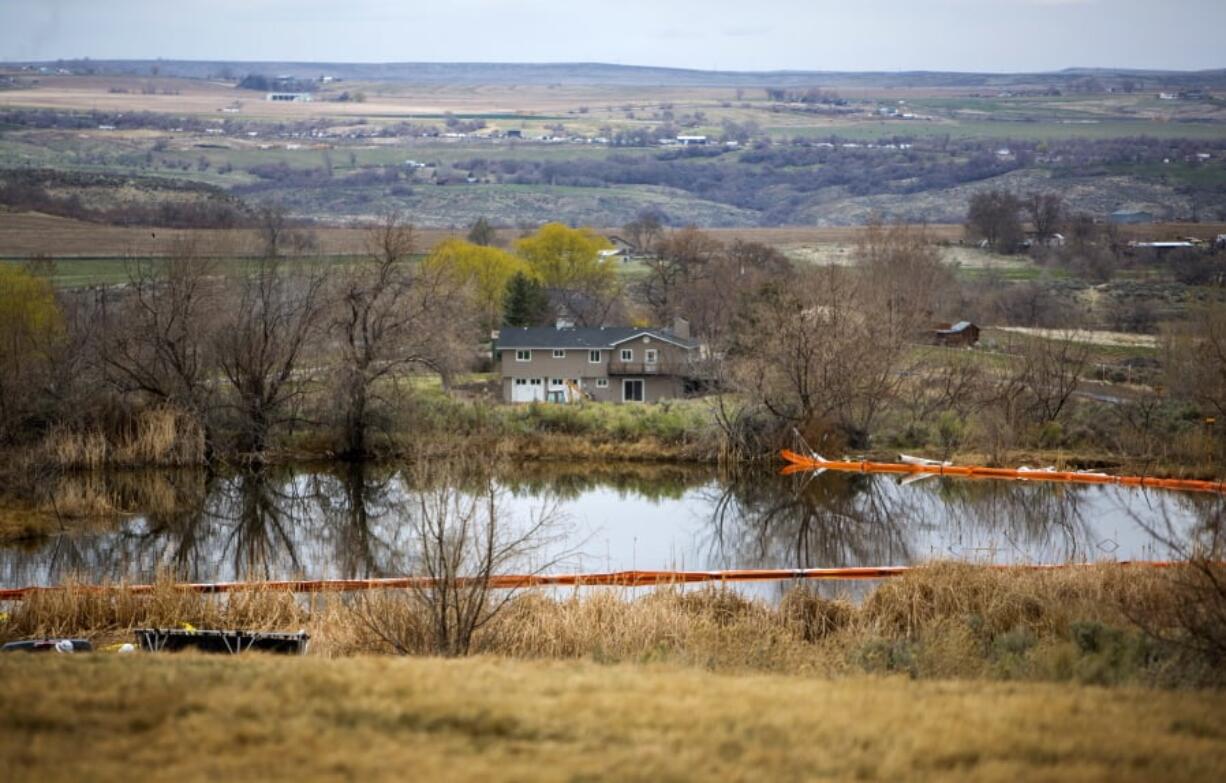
x: 798, y: 463
x: 511, y: 581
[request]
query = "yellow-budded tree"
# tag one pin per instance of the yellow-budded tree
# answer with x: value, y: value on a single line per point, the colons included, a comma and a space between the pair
x: 31, y: 326
x: 485, y: 270
x: 569, y: 262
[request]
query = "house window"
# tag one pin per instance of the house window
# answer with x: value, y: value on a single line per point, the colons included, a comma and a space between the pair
x: 627, y: 354
x: 556, y: 382
x: 593, y: 357
x: 632, y: 390
x: 558, y: 354
x: 521, y: 381
x: 602, y: 383
x: 523, y: 356
x: 650, y: 355
x: 534, y: 381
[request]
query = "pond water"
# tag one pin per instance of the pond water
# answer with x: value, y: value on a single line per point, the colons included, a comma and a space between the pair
x: 352, y: 522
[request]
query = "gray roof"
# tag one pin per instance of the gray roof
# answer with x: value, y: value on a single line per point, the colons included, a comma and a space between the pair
x: 580, y: 337
x: 961, y: 326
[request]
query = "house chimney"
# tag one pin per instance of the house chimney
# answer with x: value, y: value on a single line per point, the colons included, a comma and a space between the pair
x: 681, y: 328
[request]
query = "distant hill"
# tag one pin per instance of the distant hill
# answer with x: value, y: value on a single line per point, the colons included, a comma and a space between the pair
x: 628, y: 75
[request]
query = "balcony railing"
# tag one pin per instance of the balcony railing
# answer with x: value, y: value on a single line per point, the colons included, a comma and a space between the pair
x: 648, y: 368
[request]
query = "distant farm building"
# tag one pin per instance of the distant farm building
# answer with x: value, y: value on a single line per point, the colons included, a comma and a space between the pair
x: 961, y: 334
x: 622, y: 248
x: 288, y: 97
x: 1124, y: 216
x: 691, y: 141
x: 1162, y: 248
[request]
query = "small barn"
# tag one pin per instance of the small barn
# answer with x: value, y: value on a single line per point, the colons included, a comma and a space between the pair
x: 959, y: 335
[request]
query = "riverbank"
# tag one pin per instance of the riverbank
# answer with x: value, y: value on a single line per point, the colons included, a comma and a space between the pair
x: 108, y: 718
x: 433, y: 425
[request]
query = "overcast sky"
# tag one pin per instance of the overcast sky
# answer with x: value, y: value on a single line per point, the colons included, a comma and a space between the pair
x: 963, y: 35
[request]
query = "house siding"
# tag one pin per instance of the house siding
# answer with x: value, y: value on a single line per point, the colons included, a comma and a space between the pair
x: 659, y: 385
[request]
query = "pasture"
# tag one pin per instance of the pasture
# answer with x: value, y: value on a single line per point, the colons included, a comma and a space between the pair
x: 958, y: 112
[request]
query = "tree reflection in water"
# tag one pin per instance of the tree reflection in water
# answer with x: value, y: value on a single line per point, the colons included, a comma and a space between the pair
x: 770, y: 521
x: 363, y: 509
x: 830, y: 520
x: 350, y: 521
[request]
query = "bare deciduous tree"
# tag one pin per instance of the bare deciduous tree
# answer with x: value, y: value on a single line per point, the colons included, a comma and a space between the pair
x: 993, y: 217
x: 810, y: 352
x: 1051, y: 369
x: 389, y: 317
x: 907, y: 284
x: 645, y: 230
x: 278, y: 236
x: 459, y: 542
x: 681, y: 259
x: 262, y: 344
x: 696, y: 277
x: 1046, y: 213
x: 156, y: 342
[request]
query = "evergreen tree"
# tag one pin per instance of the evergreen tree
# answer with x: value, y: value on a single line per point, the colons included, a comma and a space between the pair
x: 525, y: 303
x: 482, y: 233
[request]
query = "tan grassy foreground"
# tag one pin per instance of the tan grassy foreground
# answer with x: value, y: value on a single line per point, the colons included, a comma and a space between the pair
x: 1100, y: 625
x: 189, y: 717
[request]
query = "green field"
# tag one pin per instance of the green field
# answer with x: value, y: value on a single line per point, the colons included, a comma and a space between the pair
x: 1043, y: 130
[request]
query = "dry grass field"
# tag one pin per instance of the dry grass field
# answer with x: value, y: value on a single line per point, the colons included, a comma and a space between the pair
x: 27, y: 234
x: 588, y: 107
x: 383, y: 100
x: 189, y: 718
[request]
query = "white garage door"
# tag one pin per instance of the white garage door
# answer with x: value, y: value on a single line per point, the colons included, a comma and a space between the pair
x: 527, y: 390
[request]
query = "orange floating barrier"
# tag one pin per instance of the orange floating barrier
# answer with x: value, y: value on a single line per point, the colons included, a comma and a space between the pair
x: 799, y: 463
x: 511, y: 581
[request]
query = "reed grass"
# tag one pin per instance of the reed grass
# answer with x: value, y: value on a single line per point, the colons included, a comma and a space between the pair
x: 1091, y: 624
x: 156, y: 437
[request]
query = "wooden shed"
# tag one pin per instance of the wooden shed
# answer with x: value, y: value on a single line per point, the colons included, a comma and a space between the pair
x: 961, y: 334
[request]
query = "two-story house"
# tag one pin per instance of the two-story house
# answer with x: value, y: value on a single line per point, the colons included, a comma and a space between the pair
x: 611, y: 363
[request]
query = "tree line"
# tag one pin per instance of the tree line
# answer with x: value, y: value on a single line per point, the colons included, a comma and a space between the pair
x: 243, y: 354
x: 238, y: 359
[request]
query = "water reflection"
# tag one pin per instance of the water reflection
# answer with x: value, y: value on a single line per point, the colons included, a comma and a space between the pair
x: 351, y: 521
x: 855, y: 519
x: 776, y: 522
